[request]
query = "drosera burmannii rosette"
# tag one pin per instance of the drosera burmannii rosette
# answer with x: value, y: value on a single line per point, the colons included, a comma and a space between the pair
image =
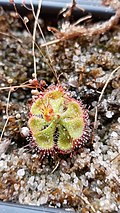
x: 58, y: 123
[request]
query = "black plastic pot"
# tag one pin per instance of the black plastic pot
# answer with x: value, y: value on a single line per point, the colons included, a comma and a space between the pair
x: 51, y: 9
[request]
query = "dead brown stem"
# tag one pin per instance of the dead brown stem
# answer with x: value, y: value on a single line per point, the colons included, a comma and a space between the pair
x: 34, y: 33
x: 7, y: 115
x: 67, y: 12
x: 17, y: 87
x: 116, y: 158
x: 41, y: 32
x: 57, y: 165
x: 101, y: 95
x: 11, y: 36
x: 25, y: 23
x: 85, y: 199
x: 81, y: 31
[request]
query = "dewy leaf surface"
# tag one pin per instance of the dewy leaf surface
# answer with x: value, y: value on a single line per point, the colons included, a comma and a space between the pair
x: 37, y: 107
x: 36, y: 124
x: 64, y: 140
x: 73, y: 110
x: 55, y: 99
x: 57, y: 121
x: 44, y: 138
x: 73, y: 126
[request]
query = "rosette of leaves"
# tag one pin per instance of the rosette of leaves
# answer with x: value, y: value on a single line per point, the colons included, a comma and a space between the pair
x: 58, y: 122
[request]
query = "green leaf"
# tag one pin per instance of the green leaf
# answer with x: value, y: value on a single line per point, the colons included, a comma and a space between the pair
x: 37, y: 107
x: 36, y: 124
x: 73, y: 110
x: 55, y: 99
x: 74, y: 126
x: 64, y: 141
x: 44, y: 138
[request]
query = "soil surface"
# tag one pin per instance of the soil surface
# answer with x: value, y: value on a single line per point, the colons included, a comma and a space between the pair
x: 89, y: 180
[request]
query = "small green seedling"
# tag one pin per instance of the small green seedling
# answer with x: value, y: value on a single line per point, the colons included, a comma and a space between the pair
x: 58, y: 123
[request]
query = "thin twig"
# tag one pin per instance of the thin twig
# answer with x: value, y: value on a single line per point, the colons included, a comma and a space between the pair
x: 7, y: 114
x: 33, y: 11
x: 24, y: 5
x: 46, y: 46
x: 24, y: 22
x: 16, y: 87
x: 11, y: 36
x: 50, y: 42
x: 34, y: 34
x: 82, y: 19
x: 107, y: 82
x: 115, y: 158
x: 67, y: 12
x: 95, y: 119
x: 101, y: 95
x: 85, y: 199
x: 58, y: 163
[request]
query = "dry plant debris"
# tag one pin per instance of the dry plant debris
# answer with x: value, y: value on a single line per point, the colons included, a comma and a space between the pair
x: 71, y: 31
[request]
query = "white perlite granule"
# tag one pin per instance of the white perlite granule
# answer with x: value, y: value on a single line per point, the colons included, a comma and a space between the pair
x: 114, y: 134
x: 25, y: 131
x: 109, y: 114
x: 21, y: 173
x: 38, y: 188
